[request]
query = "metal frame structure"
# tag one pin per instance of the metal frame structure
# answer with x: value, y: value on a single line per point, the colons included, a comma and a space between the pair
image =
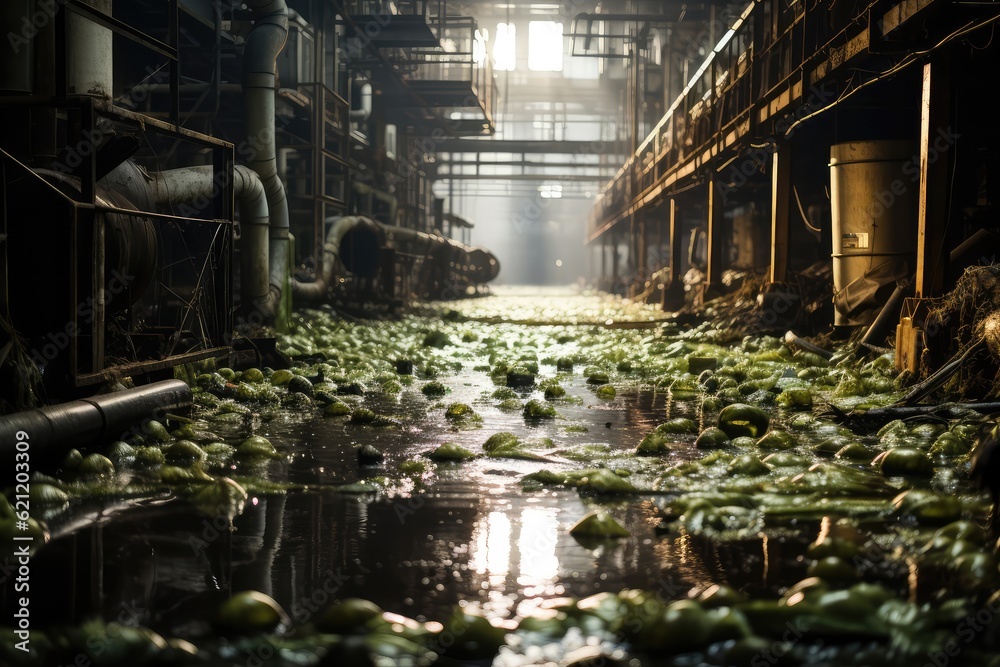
x: 214, y: 278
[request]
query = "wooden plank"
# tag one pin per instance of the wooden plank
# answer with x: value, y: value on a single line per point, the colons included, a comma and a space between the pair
x: 781, y: 179
x: 715, y: 243
x: 675, y: 242
x: 932, y: 212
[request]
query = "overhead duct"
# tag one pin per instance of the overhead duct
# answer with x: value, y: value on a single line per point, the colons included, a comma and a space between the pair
x: 192, y: 184
x: 263, y: 45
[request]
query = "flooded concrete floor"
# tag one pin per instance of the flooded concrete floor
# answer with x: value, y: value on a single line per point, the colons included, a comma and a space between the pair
x: 460, y: 533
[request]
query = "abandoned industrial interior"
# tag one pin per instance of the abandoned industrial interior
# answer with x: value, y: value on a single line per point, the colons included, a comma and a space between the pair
x: 474, y: 333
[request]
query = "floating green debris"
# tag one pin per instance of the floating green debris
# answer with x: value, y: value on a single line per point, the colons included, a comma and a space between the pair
x: 449, y: 451
x: 904, y: 461
x: 598, y: 524
x: 776, y: 440
x: 281, y: 377
x: 72, y: 460
x: 47, y: 495
x: 300, y: 385
x: 654, y: 444
x: 362, y: 416
x: 337, y: 409
x: 535, y: 409
x: 219, y: 451
x: 553, y: 392
x: 412, y: 467
x: 97, y: 464
x: 460, y: 412
x: 473, y: 636
x: 742, y: 419
x: 220, y: 498
x: 499, y: 441
x: 711, y: 438
x: 950, y: 445
x: 257, y: 446
x: 679, y: 426
x: 795, y: 399
x: 747, y: 465
x: 175, y: 475
x: 855, y: 451
x: 596, y: 376
x: 927, y: 506
x: 438, y: 339
x: 369, y: 455
x: 349, y: 616
x: 155, y: 430
x: 434, y: 388
x: 250, y: 613
x: 184, y: 453
x: 149, y: 457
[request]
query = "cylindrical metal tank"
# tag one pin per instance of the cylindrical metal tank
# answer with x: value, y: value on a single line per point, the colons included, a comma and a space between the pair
x: 873, y: 191
x: 89, y: 50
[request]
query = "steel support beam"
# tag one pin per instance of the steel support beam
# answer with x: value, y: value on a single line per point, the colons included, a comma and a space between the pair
x: 676, y: 252
x: 525, y: 146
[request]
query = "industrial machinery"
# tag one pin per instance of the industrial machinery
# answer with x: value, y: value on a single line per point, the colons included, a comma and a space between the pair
x: 191, y: 171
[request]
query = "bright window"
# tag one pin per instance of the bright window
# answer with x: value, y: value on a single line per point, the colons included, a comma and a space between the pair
x: 504, y: 48
x: 545, y: 46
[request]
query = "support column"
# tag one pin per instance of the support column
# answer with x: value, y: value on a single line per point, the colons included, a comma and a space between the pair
x: 781, y: 181
x: 602, y: 281
x: 614, y: 264
x: 714, y: 245
x: 673, y: 293
x: 641, y: 263
x: 676, y: 252
x: 932, y: 212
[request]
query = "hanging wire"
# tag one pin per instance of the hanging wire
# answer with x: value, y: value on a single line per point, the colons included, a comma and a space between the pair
x: 909, y: 60
x: 802, y: 212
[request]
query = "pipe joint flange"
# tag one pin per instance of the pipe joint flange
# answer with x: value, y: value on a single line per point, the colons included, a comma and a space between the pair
x: 259, y: 80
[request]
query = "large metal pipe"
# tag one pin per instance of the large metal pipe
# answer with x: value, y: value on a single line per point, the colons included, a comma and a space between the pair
x: 192, y: 184
x: 89, y: 53
x: 52, y: 430
x: 352, y: 241
x: 130, y: 242
x: 263, y: 45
